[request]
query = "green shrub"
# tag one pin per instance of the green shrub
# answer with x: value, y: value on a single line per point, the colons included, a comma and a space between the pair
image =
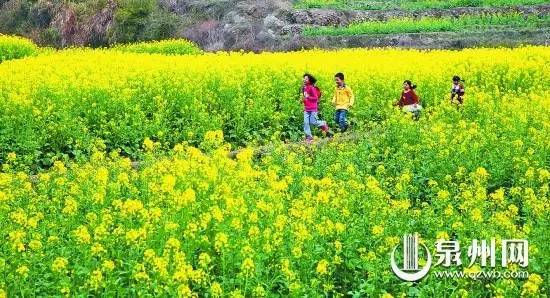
x: 14, y: 47
x: 430, y: 24
x: 166, y: 47
x: 131, y: 19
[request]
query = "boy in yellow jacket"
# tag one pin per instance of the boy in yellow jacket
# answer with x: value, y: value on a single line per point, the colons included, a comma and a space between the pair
x: 343, y: 100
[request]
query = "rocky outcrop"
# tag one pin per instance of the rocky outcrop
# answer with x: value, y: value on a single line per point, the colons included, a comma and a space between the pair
x: 250, y: 25
x: 94, y: 31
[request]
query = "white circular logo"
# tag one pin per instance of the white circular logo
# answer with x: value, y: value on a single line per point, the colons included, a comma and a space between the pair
x: 410, y: 270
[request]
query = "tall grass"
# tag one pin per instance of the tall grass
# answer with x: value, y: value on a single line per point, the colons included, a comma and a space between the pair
x: 431, y: 24
x: 410, y: 5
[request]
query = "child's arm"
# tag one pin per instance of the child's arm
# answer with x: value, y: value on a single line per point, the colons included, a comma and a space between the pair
x: 416, y: 98
x: 311, y: 95
x: 398, y: 102
x: 351, y: 97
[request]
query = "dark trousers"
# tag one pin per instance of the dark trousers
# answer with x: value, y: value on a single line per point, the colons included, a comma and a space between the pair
x: 341, y: 119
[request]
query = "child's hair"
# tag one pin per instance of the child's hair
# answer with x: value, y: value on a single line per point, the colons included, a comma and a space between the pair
x: 312, y: 79
x: 339, y: 75
x: 457, y: 79
x: 408, y: 82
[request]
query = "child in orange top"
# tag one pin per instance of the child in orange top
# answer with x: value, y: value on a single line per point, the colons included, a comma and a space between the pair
x: 342, y: 100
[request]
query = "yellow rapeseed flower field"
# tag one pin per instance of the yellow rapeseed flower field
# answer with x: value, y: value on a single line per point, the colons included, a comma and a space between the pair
x: 59, y: 105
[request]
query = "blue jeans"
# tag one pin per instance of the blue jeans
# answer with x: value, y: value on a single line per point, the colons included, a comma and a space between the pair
x: 310, y: 118
x: 341, y: 119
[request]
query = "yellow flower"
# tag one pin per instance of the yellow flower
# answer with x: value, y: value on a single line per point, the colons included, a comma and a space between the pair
x: 482, y: 174
x: 173, y: 243
x: 214, y: 137
x: 322, y: 267
x: 52, y: 239
x: 220, y: 241
x: 168, y: 183
x: 96, y: 279
x: 473, y: 269
x: 476, y: 215
x: 248, y: 267
x: 148, y: 145
x: 135, y: 235
x: 35, y: 244
x: 339, y: 227
x: 60, y: 264
x: 59, y: 167
x: 245, y: 155
x: 236, y: 294
x: 297, y: 252
x: 132, y: 207
x: 258, y: 291
x: 377, y: 230
x: 108, y: 265
x: 442, y: 235
x: 532, y: 285
x: 185, y: 291
x: 336, y: 260
x: 171, y: 226
x: 149, y: 254
x: 462, y: 293
x: 328, y: 287
x: 443, y: 194
x: 3, y: 294
x: 71, y: 207
x: 498, y: 196
x: 216, y: 289
x: 141, y: 276
x: 12, y: 156
x: 338, y: 246
x: 160, y: 265
x: 449, y: 210
x: 23, y: 271
x: 102, y: 175
x: 185, y: 198
x: 204, y: 260
x: 82, y: 235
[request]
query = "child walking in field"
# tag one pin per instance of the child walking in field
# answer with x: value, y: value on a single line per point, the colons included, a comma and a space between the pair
x: 311, y: 95
x: 342, y: 100
x: 457, y: 91
x: 409, y: 101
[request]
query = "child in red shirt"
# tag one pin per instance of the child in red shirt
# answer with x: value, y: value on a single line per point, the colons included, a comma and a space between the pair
x: 409, y: 101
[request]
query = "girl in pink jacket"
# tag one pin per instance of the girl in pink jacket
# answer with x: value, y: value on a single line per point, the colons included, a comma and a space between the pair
x: 311, y: 95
